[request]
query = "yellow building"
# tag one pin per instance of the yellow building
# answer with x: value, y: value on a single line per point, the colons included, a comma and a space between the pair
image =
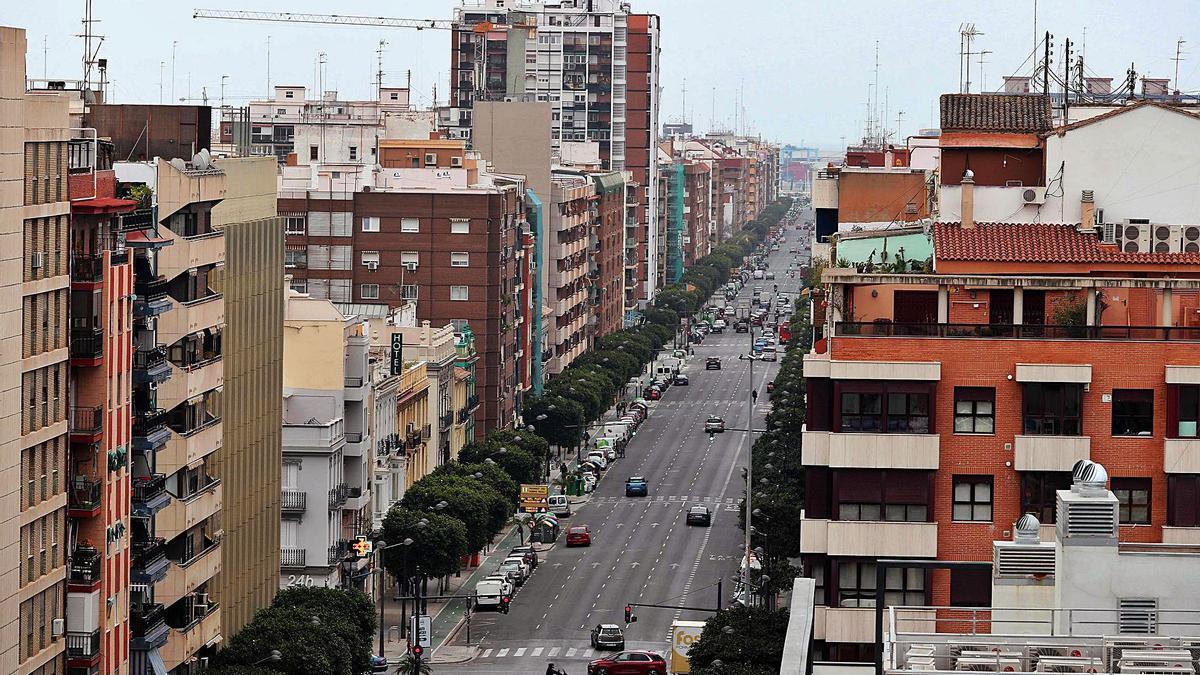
x: 459, y: 433
x: 412, y: 421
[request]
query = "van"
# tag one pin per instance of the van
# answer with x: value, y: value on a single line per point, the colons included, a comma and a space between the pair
x: 759, y: 274
x: 559, y: 505
x: 488, y: 595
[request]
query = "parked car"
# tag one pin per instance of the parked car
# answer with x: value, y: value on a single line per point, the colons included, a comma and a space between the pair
x: 506, y: 587
x: 559, y: 505
x: 699, y: 515
x: 636, y: 486
x: 770, y: 274
x: 631, y: 663
x: 714, y: 424
x: 512, y: 568
x: 712, y: 363
x: 530, y: 556
x: 681, y: 379
x: 652, y: 393
x: 769, y: 353
x: 599, y: 458
x: 519, y: 558
x: 579, y: 535
x: 608, y: 636
x: 490, y: 593
x: 380, y: 665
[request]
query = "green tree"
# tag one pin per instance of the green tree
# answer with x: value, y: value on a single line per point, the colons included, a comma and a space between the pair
x: 408, y: 666
x: 555, y: 418
x: 437, y: 548
x: 347, y: 613
x: 662, y: 316
x: 491, y: 474
x: 305, y: 641
x: 741, y: 635
x: 466, y: 501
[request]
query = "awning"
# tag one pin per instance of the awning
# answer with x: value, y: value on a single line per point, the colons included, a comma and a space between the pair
x: 104, y: 205
x: 157, y: 666
x: 145, y: 239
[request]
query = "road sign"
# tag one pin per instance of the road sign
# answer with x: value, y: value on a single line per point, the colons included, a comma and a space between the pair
x: 420, y: 628
x: 533, y: 497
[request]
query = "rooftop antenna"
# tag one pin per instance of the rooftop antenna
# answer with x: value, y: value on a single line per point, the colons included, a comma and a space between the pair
x: 379, y: 70
x: 871, y: 112
x: 683, y: 103
x: 223, y: 78
x: 45, y: 56
x: 1178, y: 57
x: 162, y: 65
x: 268, y: 66
x: 982, y: 78
x: 969, y: 33
x: 89, y: 54
x: 1035, y: 30
x: 174, y: 44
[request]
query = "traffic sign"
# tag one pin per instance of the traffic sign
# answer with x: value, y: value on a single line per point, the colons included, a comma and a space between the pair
x: 420, y: 629
x: 534, y: 497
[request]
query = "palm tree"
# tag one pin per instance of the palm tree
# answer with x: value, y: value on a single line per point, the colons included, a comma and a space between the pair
x: 408, y: 666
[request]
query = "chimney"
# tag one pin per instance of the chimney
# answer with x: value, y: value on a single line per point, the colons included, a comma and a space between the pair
x: 1087, y: 212
x: 967, y: 215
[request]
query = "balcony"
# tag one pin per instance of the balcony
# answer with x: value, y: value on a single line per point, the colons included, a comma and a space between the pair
x: 320, y: 436
x: 150, y: 431
x: 191, y: 316
x: 291, y: 557
x: 354, y: 447
x: 339, y: 551
x: 187, y: 446
x: 189, y: 381
x: 885, y: 328
x: 87, y: 421
x: 199, y: 250
x: 83, y: 499
x: 137, y: 220
x: 184, y: 513
x: 85, y: 568
x: 185, y: 577
x: 149, y: 561
x: 1181, y: 455
x: 293, y: 501
x: 445, y: 422
x: 338, y: 496
x: 355, y: 388
x: 873, y: 539
x: 87, y: 268
x: 1049, y: 453
x: 150, y: 495
x: 472, y: 402
x: 878, y: 451
x: 148, y: 626
x: 183, y: 643
x: 151, y: 297
x: 87, y: 345
x: 150, y: 366
x: 83, y: 646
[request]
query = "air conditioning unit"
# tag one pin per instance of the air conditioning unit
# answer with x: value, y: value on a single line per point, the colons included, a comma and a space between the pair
x: 1134, y: 237
x: 1189, y: 239
x: 410, y: 266
x: 456, y: 161
x: 58, y: 627
x: 1033, y: 195
x: 1163, y: 239
x: 1067, y: 664
x: 37, y: 260
x: 372, y: 265
x: 1108, y: 233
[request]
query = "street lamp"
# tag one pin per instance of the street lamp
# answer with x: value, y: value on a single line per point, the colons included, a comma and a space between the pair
x: 274, y: 657
x: 380, y: 547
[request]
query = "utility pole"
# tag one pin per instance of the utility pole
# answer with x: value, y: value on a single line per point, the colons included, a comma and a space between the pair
x: 161, y: 65
x: 748, y: 444
x: 1046, y: 66
x: 982, y: 78
x: 174, y: 44
x: 223, y: 78
x: 1066, y: 78
x: 1178, y: 57
x: 379, y: 70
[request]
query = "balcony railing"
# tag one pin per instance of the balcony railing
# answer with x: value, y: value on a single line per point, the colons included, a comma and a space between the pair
x: 85, y: 565
x: 1017, y: 331
x: 84, y: 495
x: 338, y: 496
x: 293, y: 500
x: 152, y: 289
x: 291, y: 557
x: 146, y: 552
x: 87, y: 343
x: 142, y: 218
x: 464, y: 414
x: 352, y: 382
x: 446, y: 421
x: 86, y: 420
x: 147, y: 488
x: 145, y: 359
x: 413, y: 440
x: 427, y: 432
x: 472, y: 401
x: 87, y: 268
x: 354, y: 436
x: 339, y: 551
x: 147, y: 616
x: 83, y: 645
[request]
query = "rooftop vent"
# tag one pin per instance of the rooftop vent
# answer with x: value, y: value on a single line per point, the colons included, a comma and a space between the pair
x: 1088, y: 509
x: 1028, y: 530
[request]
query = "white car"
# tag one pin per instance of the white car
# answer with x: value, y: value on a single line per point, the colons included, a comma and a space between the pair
x: 611, y: 453
x: 589, y: 481
x: 598, y: 457
x: 515, y: 569
x: 506, y: 587
x: 768, y: 353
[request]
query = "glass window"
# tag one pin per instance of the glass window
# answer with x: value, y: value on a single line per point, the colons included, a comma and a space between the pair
x: 410, y: 224
x: 1183, y: 500
x: 460, y: 259
x: 370, y: 224
x: 816, y: 571
x: 856, y: 584
x: 1132, y: 412
x: 972, y: 498
x: 1188, y: 414
x: 1038, y: 490
x: 459, y: 292
x: 862, y: 411
x: 1133, y: 494
x: 460, y: 226
x: 294, y: 225
x: 369, y: 291
x: 408, y: 291
x: 1052, y: 408
x: 908, y: 413
x: 974, y: 410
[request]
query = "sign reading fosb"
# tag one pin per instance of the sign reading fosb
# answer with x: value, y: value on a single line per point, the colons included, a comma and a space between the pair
x: 397, y: 354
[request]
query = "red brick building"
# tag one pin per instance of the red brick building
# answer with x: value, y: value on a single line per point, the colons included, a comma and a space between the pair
x: 608, y: 257
x: 942, y: 407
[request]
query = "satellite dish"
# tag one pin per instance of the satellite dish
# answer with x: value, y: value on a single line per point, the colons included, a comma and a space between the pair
x: 179, y: 164
x: 202, y: 160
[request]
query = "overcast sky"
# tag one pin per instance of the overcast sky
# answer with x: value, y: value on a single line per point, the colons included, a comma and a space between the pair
x: 805, y: 67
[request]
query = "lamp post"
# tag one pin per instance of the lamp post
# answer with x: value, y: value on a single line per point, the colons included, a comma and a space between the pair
x: 380, y: 547
x: 274, y: 657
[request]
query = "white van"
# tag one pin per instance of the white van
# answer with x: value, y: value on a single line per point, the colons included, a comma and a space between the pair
x: 488, y: 594
x: 559, y: 505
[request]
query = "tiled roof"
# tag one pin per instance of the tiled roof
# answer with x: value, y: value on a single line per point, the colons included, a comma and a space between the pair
x: 1037, y: 243
x: 1188, y: 112
x: 1014, y: 113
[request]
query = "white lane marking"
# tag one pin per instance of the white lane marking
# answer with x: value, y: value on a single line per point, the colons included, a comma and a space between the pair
x: 520, y: 652
x: 537, y: 651
x: 486, y: 653
x: 502, y: 653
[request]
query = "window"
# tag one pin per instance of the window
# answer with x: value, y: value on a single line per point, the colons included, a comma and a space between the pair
x: 856, y: 585
x: 408, y: 291
x: 410, y: 224
x: 974, y: 410
x: 289, y: 94
x: 1038, y: 490
x: 1133, y: 495
x: 816, y: 571
x: 862, y: 411
x: 369, y: 291
x: 460, y: 226
x: 294, y: 225
x: 410, y: 258
x: 1052, y: 409
x: 891, y: 408
x: 353, y: 152
x: 1132, y: 412
x: 281, y: 111
x: 971, y: 588
x: 1187, y: 413
x: 312, y: 153
x: 300, y: 285
x: 370, y: 258
x: 370, y: 224
x: 460, y: 259
x: 973, y: 498
x: 295, y: 257
x: 458, y: 292
x: 1183, y: 500
x: 912, y: 513
x: 908, y: 413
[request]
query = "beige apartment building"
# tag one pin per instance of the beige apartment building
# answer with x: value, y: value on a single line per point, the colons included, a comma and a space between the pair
x: 34, y: 407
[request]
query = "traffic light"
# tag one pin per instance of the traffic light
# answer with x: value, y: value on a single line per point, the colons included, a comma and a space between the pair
x: 628, y: 613
x: 417, y: 651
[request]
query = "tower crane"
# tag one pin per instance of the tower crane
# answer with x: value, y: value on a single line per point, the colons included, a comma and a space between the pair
x: 330, y: 19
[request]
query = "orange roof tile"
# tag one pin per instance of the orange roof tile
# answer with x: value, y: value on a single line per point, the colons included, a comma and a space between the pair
x: 1037, y: 243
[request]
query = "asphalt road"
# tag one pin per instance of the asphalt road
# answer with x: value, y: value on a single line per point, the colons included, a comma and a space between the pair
x: 642, y: 550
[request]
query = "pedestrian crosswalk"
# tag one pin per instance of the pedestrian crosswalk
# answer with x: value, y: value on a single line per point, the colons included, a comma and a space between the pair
x: 667, y: 499
x: 552, y: 649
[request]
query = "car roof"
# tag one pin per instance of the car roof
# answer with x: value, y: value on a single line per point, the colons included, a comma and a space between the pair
x: 637, y: 478
x: 577, y: 528
x: 609, y: 625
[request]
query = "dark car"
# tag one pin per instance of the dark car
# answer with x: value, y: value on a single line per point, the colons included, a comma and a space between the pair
x: 378, y: 664
x: 636, y: 486
x: 742, y: 327
x: 712, y: 363
x: 681, y: 379
x: 629, y: 663
x: 699, y: 515
x: 608, y: 636
x: 579, y: 535
x: 652, y: 394
x: 530, y: 554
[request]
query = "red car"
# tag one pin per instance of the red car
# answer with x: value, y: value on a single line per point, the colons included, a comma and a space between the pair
x: 579, y: 535
x: 629, y: 663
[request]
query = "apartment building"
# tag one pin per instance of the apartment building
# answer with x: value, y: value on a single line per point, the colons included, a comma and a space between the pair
x: 435, y: 347
x: 34, y: 219
x: 608, y: 245
x: 328, y: 466
x: 434, y: 227
x: 569, y: 228
x: 917, y: 448
x: 596, y: 63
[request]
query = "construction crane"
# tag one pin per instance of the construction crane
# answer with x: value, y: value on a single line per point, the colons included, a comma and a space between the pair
x: 329, y: 19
